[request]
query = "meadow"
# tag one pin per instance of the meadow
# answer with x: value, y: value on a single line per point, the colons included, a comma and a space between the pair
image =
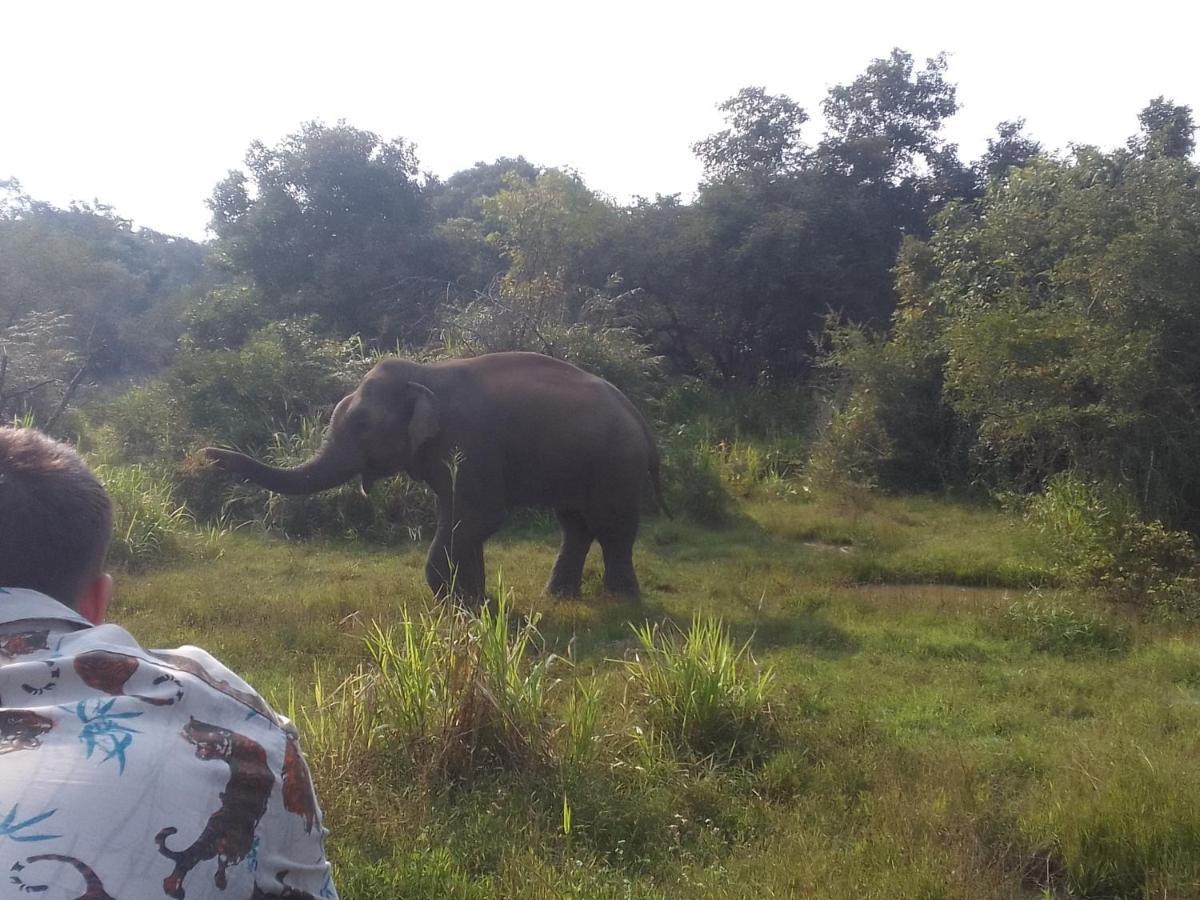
x: 936, y: 717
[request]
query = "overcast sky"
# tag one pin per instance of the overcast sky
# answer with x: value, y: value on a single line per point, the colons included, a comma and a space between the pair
x: 146, y: 105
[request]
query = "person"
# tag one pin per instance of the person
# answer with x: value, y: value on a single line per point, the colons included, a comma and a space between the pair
x: 124, y: 772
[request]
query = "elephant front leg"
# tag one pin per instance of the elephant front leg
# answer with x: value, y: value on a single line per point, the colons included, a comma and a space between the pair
x: 454, y: 568
x: 567, y: 577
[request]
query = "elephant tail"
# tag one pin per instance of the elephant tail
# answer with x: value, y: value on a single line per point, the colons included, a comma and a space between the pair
x: 656, y: 480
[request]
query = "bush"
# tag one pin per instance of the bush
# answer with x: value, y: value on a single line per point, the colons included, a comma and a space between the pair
x: 223, y: 319
x: 543, y: 321
x: 692, y: 481
x: 283, y: 373
x: 888, y: 424
x: 702, y: 695
x: 146, y: 423
x: 1095, y: 535
x: 395, y: 503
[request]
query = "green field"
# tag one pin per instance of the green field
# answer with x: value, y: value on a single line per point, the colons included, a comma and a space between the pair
x: 943, y: 724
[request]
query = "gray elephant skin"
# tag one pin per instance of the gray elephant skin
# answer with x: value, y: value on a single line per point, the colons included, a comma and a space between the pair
x: 489, y: 433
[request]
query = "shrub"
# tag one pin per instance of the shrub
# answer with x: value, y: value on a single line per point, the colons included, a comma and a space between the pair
x: 585, y: 330
x: 394, y: 503
x: 888, y: 424
x: 283, y: 373
x: 223, y: 319
x: 692, y: 481
x: 705, y: 697
x: 145, y: 423
x: 1097, y: 538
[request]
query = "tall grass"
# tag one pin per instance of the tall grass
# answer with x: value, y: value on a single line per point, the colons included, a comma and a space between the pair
x: 448, y: 695
x: 149, y: 526
x: 701, y: 693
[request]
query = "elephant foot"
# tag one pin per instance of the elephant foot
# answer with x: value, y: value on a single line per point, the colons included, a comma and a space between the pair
x: 630, y: 593
x: 563, y: 591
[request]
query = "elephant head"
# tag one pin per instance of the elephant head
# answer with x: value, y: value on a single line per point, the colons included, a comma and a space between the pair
x: 375, y: 432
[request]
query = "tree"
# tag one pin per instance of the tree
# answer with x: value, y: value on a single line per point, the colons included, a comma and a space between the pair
x: 885, y: 124
x: 1060, y: 314
x: 333, y: 220
x: 1010, y: 149
x: 1167, y: 131
x: 762, y: 141
x: 118, y: 287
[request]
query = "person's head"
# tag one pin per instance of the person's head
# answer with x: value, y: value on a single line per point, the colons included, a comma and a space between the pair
x: 55, y: 522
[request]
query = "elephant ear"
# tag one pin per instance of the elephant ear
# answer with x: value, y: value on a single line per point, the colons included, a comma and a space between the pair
x: 426, y: 418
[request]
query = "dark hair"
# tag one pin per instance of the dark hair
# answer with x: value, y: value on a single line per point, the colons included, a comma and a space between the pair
x: 55, y: 516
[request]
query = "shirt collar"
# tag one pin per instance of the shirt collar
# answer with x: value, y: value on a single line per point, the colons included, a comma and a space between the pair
x: 21, y: 603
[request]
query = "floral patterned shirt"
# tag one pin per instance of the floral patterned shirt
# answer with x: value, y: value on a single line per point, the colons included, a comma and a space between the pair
x: 130, y: 774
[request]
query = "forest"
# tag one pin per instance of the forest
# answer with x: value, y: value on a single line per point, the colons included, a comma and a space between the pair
x: 925, y: 622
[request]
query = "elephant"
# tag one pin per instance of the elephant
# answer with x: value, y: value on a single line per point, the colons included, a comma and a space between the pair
x: 486, y: 434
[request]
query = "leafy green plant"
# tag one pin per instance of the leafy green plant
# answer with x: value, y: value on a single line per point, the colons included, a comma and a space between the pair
x: 1097, y: 537
x: 703, y: 694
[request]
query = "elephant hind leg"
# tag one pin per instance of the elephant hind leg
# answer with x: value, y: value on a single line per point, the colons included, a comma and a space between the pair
x: 616, y: 540
x: 567, y: 577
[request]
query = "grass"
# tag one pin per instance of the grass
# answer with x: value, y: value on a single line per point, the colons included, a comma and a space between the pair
x: 701, y: 692
x: 936, y: 732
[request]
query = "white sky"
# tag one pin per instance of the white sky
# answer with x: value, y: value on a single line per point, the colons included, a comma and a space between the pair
x: 146, y: 105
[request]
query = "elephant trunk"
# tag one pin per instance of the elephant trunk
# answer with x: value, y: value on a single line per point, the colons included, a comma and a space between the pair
x: 327, y: 469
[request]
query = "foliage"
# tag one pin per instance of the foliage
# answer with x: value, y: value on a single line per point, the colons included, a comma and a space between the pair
x: 118, y: 289
x: 701, y: 693
x: 594, y: 338
x: 284, y: 372
x: 1099, y: 540
x: 333, y: 221
x: 223, y: 319
x: 547, y: 228
x: 886, y: 121
x: 395, y: 507
x: 147, y: 422
x: 888, y: 423
x: 1046, y: 327
x: 692, y: 481
x: 762, y: 141
x: 37, y: 365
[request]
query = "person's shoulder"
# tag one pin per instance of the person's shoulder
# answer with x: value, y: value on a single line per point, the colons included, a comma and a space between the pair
x: 218, y: 677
